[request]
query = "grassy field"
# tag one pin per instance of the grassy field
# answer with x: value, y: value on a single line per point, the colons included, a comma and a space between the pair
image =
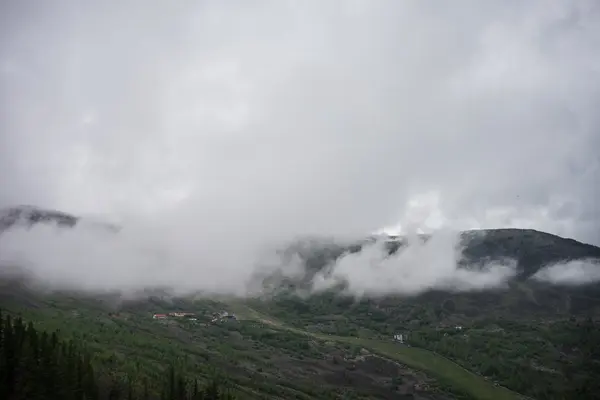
x: 446, y: 371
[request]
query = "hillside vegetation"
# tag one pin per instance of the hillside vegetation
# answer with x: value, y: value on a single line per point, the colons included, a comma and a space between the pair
x: 526, y: 339
x: 541, y: 358
x: 533, y: 337
x: 253, y: 359
x: 37, y: 365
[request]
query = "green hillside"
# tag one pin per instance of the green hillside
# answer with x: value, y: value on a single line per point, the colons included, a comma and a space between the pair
x: 494, y: 335
x: 323, y: 347
x: 256, y: 360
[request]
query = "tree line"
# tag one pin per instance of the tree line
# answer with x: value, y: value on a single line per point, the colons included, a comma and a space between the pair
x: 37, y: 365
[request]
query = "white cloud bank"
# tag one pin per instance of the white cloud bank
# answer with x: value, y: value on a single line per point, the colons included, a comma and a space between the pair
x: 138, y: 257
x: 420, y: 266
x: 214, y: 129
x: 578, y: 272
x: 144, y: 256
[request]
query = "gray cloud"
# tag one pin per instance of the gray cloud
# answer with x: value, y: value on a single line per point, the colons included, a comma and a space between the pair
x: 234, y: 125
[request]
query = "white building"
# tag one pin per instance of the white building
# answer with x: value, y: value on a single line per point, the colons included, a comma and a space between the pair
x: 400, y: 338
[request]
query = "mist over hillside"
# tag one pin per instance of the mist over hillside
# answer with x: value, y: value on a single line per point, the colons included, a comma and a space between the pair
x: 81, y: 256
x: 501, y: 285
x: 528, y: 251
x: 343, y: 172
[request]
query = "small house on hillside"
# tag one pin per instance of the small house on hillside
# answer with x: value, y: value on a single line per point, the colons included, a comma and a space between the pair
x: 159, y: 316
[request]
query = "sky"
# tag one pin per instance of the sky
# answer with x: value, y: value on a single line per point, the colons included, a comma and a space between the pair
x: 269, y: 119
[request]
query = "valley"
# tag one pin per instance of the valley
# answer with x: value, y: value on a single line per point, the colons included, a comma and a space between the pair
x: 258, y: 357
x: 323, y: 347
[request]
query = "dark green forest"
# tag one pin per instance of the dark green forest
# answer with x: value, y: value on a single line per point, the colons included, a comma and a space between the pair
x: 36, y: 364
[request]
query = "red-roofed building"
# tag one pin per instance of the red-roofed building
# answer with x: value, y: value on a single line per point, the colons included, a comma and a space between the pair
x: 159, y: 316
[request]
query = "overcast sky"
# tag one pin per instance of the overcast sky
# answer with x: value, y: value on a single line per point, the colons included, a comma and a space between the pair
x: 267, y: 118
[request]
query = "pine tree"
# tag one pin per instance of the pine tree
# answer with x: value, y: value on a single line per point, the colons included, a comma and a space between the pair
x: 36, y: 365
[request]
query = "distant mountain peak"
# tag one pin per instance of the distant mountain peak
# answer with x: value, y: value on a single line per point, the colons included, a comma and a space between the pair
x: 28, y: 215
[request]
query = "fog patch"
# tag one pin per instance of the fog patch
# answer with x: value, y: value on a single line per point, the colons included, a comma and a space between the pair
x: 577, y: 272
x: 181, y: 261
x: 417, y: 267
x: 136, y: 258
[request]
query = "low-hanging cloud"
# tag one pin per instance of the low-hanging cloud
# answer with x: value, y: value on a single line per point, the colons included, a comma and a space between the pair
x: 215, y: 131
x: 92, y: 258
x: 572, y: 273
x: 137, y: 257
x: 417, y: 267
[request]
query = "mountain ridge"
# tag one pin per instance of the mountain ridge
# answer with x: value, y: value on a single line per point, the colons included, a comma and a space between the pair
x: 533, y: 337
x: 28, y: 215
x: 530, y: 249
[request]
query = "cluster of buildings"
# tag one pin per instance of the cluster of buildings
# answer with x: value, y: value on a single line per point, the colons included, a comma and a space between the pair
x: 216, y: 317
x: 190, y: 316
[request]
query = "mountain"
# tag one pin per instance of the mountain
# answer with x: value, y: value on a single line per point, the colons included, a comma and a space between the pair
x: 530, y: 250
x: 529, y: 338
x: 534, y: 337
x: 28, y: 216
